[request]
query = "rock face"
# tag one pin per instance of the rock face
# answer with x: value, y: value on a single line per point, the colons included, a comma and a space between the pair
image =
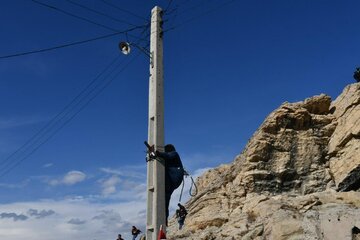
x: 344, y: 145
x: 292, y: 180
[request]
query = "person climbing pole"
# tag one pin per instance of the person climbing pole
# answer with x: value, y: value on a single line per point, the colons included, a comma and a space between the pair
x: 357, y: 74
x: 181, y: 215
x: 174, y: 172
x: 135, y: 232
x: 119, y: 237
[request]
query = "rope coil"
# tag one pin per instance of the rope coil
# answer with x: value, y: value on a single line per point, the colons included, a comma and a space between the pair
x: 193, y: 184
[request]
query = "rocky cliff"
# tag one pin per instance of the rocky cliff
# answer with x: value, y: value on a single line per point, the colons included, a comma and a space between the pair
x: 297, y: 178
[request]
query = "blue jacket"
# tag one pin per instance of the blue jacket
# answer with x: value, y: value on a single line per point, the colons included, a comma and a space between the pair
x: 172, y: 159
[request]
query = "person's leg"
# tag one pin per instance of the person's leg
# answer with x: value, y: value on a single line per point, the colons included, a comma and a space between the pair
x: 168, y: 191
x: 167, y: 202
x: 181, y: 223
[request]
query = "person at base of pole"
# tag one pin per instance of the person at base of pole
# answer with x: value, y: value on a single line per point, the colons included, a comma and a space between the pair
x: 174, y: 172
x: 119, y: 237
x: 135, y: 232
x: 181, y: 215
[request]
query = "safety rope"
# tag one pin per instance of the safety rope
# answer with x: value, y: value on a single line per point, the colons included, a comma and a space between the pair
x: 196, y: 189
x: 182, y: 188
x: 193, y: 184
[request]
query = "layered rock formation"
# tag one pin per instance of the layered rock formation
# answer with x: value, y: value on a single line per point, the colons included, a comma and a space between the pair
x: 290, y: 180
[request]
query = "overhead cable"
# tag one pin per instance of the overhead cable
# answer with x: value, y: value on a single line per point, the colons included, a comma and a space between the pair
x: 70, y: 44
x: 168, y: 6
x: 69, y: 112
x: 122, y: 9
x: 73, y: 15
x: 99, y: 13
x: 200, y: 15
x: 48, y: 126
x: 13, y: 164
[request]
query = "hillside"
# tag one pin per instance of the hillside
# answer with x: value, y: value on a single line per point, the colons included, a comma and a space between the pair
x: 297, y: 178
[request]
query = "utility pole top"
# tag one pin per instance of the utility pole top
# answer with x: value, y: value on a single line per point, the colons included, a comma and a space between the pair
x: 156, y: 8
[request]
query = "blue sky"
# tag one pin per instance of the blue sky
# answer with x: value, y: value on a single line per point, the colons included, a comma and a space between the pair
x: 225, y: 71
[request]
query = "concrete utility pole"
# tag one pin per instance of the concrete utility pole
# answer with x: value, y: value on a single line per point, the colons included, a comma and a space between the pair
x: 156, y: 214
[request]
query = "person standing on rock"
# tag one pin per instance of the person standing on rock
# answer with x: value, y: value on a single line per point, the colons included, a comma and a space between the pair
x: 135, y: 232
x: 181, y: 215
x: 119, y: 237
x: 357, y: 74
x: 174, y: 172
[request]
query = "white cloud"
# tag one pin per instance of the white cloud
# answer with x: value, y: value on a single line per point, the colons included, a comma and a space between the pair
x: 40, y: 214
x: 124, y: 184
x: 47, y: 165
x: 109, y: 186
x: 127, y: 171
x: 73, y: 177
x: 79, y: 219
x: 15, y: 217
x: 15, y: 185
x: 20, y: 121
x: 84, y: 217
x: 198, y: 160
x: 70, y: 178
x: 76, y: 221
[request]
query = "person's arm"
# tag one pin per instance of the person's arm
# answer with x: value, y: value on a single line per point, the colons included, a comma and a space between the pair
x: 166, y: 155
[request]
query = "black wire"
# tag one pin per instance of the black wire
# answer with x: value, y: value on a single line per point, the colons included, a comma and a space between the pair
x: 203, y: 2
x: 78, y: 17
x: 168, y: 6
x: 187, y: 9
x: 66, y: 122
x: 123, y: 10
x: 49, y: 125
x: 98, y: 12
x: 73, y: 15
x: 175, y: 11
x: 200, y: 15
x: 69, y: 44
x: 185, y: 1
x: 48, y: 128
x: 17, y: 163
x: 6, y: 171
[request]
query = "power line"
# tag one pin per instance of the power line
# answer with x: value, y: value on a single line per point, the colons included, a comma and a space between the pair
x: 70, y: 44
x: 52, y: 127
x: 98, y: 12
x: 17, y: 163
x: 73, y: 15
x: 194, y: 17
x: 49, y: 125
x: 79, y: 17
x: 12, y: 165
x: 123, y: 10
x: 200, y: 15
x: 193, y: 7
x: 186, y: 9
x: 168, y: 6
